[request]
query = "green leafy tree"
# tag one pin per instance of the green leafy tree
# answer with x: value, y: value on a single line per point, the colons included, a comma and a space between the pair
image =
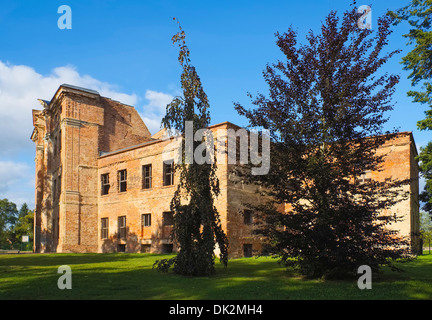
x: 419, y: 61
x: 325, y: 111
x: 197, y: 227
x: 426, y: 229
x: 8, y: 218
x: 24, y: 223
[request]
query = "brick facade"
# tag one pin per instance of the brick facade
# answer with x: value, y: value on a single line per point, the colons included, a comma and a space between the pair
x: 96, y: 192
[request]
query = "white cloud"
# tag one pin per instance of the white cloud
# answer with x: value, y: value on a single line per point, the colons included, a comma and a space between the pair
x: 158, y: 100
x: 11, y: 173
x: 154, y: 110
x: 17, y: 182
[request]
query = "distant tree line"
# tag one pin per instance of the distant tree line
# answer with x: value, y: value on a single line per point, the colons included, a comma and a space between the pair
x: 426, y: 230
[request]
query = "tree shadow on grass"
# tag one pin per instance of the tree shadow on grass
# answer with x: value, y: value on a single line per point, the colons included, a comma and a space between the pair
x: 57, y: 259
x: 130, y: 276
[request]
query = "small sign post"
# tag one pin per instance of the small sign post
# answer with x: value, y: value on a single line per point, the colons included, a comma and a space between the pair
x: 24, y: 239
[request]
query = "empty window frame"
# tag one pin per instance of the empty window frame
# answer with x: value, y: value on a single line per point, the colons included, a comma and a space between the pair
x: 122, y: 180
x: 105, y: 183
x: 59, y: 186
x: 55, y: 145
x: 168, y: 173
x: 167, y: 248
x: 147, y: 176
x: 248, y: 217
x: 59, y: 141
x: 145, y: 248
x: 122, y: 227
x: 54, y: 189
x: 104, y: 228
x: 247, y: 250
x: 167, y: 218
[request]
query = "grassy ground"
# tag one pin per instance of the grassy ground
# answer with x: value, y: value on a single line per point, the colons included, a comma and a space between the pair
x: 130, y: 276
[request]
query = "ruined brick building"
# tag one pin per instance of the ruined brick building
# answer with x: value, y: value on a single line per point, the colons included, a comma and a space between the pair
x: 104, y: 184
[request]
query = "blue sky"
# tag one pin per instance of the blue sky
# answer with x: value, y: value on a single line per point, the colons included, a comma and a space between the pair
x: 123, y: 49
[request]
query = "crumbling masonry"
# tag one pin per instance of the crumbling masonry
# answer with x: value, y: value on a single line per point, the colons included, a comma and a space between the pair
x: 103, y: 183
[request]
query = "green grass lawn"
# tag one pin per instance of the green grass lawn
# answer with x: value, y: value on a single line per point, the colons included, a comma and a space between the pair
x: 130, y: 276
